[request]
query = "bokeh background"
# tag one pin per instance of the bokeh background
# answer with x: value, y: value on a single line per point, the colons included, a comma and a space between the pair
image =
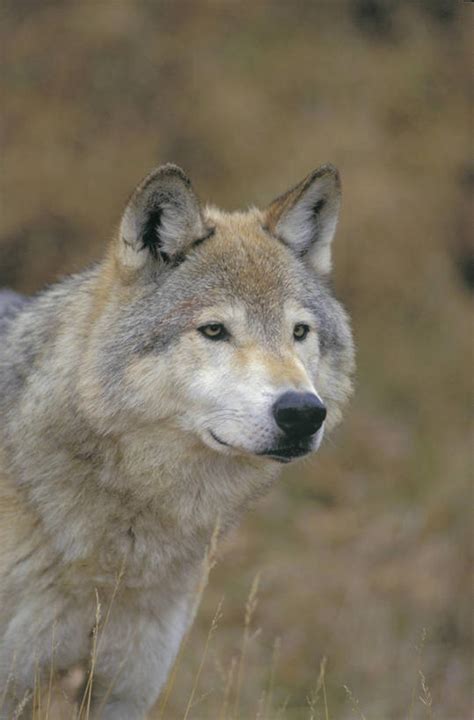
x: 363, y: 552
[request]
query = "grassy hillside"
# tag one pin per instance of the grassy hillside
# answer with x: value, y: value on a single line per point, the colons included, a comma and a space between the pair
x: 364, y: 551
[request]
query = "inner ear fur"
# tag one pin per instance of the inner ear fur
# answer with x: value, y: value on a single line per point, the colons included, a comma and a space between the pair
x: 162, y: 219
x: 305, y: 217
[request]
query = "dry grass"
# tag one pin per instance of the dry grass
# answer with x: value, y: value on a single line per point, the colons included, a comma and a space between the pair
x: 57, y: 701
x: 369, y: 543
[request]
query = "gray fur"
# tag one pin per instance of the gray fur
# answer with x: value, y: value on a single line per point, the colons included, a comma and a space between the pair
x: 10, y: 305
x: 107, y: 394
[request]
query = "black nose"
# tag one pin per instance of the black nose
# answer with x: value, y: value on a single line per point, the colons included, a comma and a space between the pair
x: 299, y: 414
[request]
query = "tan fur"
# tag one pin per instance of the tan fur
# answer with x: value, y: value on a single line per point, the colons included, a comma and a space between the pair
x: 127, y: 433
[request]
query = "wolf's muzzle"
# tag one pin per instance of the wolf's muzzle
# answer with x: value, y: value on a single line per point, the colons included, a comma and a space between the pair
x: 299, y: 415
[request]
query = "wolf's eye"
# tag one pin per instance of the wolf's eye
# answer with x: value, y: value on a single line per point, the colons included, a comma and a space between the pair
x: 214, y: 331
x: 300, y: 331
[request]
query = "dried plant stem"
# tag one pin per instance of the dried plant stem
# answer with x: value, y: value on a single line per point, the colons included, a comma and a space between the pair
x: 87, y: 697
x: 36, y: 710
x: 354, y: 702
x: 426, y: 697
x: 209, y: 562
x: 210, y: 559
x: 312, y: 699
x: 10, y: 680
x: 51, y: 672
x: 282, y: 709
x: 212, y: 629
x: 118, y: 580
x: 250, y: 608
x: 21, y: 705
x: 111, y: 686
x: 322, y: 684
x: 227, y: 690
x: 419, y: 649
x: 170, y: 683
x: 96, y: 643
x: 271, y: 681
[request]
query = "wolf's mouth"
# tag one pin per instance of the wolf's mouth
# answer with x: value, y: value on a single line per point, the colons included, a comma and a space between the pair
x: 217, y: 439
x: 286, y: 454
x: 282, y: 454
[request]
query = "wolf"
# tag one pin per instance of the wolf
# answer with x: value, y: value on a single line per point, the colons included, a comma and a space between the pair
x: 146, y: 401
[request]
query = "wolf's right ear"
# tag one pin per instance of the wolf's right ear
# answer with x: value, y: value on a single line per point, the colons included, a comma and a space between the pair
x: 161, y: 221
x: 305, y: 217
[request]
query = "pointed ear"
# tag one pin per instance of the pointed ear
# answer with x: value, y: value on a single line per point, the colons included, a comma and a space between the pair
x: 161, y: 221
x: 305, y: 217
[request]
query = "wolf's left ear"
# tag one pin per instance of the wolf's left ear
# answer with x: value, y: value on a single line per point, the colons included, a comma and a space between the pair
x: 162, y: 219
x: 305, y: 217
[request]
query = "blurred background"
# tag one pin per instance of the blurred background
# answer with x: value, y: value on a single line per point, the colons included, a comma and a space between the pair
x: 363, y: 552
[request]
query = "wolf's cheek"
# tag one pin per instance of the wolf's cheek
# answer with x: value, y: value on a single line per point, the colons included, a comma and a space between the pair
x: 335, y: 386
x: 152, y: 389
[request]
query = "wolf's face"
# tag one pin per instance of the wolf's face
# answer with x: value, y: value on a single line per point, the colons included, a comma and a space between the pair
x: 252, y: 390
x: 225, y: 327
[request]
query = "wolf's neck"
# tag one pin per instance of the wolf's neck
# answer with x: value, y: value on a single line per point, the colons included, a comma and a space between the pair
x: 150, y: 488
x: 148, y: 495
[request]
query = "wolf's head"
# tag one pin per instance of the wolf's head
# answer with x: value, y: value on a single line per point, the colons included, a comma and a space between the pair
x: 222, y: 325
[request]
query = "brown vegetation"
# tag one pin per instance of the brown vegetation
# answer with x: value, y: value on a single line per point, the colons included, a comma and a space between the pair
x: 366, y: 546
